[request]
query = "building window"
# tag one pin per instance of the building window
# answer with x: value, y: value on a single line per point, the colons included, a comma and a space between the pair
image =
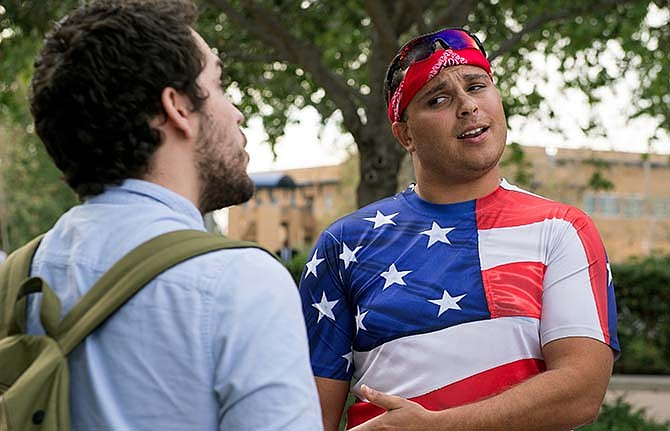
x: 662, y: 208
x: 589, y: 203
x: 608, y: 204
x: 327, y: 201
x: 633, y: 207
x: 624, y: 206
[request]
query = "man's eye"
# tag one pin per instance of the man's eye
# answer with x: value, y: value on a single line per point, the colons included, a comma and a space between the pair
x: 475, y: 87
x: 438, y: 100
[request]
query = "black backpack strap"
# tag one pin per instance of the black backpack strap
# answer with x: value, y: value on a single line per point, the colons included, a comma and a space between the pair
x: 130, y: 274
x: 13, y: 271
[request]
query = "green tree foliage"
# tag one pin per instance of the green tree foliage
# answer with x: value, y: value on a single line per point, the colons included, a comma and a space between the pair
x: 643, y: 305
x: 598, y: 181
x: 34, y: 195
x: 280, y: 55
x: 621, y: 416
x: 297, y: 265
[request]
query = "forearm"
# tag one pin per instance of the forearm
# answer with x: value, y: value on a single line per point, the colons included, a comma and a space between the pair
x: 553, y: 400
x: 565, y: 396
x: 333, y: 396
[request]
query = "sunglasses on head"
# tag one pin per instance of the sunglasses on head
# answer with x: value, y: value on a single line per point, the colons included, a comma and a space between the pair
x: 422, y: 47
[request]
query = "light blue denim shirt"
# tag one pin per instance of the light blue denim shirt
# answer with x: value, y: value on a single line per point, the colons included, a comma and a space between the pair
x: 216, y: 342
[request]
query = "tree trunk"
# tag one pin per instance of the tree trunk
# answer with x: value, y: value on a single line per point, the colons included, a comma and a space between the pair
x: 380, y: 155
x: 380, y: 159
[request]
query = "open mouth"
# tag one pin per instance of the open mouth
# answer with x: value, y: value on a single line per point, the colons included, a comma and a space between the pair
x: 473, y: 133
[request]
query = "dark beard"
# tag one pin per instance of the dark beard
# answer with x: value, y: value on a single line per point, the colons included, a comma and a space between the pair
x: 220, y: 190
x: 224, y: 183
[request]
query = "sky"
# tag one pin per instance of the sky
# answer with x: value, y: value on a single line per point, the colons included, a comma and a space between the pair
x: 301, y: 145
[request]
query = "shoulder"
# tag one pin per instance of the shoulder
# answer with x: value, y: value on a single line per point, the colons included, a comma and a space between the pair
x: 514, y: 206
x: 381, y: 211
x: 237, y: 264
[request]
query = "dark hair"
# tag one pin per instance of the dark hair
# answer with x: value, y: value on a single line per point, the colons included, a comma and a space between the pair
x: 98, y: 82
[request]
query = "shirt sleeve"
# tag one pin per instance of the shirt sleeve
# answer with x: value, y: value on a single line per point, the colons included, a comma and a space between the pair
x: 328, y: 315
x: 262, y: 376
x: 578, y: 291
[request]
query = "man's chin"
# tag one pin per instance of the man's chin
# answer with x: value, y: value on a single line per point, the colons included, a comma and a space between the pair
x: 226, y: 195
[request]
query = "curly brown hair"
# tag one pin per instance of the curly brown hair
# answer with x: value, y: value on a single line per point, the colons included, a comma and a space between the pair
x: 98, y: 82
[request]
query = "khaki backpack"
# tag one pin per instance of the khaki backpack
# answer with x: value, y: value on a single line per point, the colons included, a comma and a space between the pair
x: 34, y: 375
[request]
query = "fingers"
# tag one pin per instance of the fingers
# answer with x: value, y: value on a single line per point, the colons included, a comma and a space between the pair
x: 380, y: 399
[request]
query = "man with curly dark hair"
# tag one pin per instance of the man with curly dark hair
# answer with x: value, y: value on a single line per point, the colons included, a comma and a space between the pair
x: 127, y: 99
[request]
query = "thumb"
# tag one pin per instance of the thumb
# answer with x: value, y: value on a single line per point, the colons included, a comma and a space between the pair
x: 380, y: 399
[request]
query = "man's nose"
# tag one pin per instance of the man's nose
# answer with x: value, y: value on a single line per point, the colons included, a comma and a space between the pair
x: 467, y: 107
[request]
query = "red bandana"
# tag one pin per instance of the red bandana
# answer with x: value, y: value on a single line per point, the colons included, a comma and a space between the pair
x: 423, y: 71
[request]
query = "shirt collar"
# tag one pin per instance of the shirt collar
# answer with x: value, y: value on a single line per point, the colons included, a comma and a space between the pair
x: 137, y: 191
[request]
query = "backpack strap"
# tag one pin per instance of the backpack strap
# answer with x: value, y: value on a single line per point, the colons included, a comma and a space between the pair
x: 130, y: 274
x: 13, y: 271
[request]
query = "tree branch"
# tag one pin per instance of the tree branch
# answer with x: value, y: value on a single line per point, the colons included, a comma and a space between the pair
x: 407, y: 13
x: 265, y: 26
x: 247, y: 58
x: 383, y: 25
x: 544, y: 19
x: 456, y: 15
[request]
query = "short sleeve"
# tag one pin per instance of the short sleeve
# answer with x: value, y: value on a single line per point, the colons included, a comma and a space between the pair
x: 578, y: 291
x: 262, y: 373
x: 328, y: 315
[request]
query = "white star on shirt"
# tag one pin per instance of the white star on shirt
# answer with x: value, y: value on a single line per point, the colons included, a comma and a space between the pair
x: 393, y: 276
x: 348, y: 255
x: 380, y: 219
x: 325, y: 307
x: 359, y: 319
x: 447, y: 302
x: 349, y: 357
x: 312, y: 264
x: 437, y: 234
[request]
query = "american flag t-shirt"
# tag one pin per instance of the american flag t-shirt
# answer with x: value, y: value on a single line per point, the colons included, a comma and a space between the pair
x: 448, y: 304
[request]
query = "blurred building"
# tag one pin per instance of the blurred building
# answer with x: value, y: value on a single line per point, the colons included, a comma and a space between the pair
x: 289, y: 209
x: 626, y: 194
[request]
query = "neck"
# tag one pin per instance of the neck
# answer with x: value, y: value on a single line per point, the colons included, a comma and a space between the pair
x: 174, y: 168
x: 445, y: 191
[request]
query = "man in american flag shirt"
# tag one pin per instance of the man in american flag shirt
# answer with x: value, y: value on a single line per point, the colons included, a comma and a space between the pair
x: 462, y: 302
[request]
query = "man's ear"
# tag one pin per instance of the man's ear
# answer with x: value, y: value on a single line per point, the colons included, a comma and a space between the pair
x: 403, y: 134
x: 178, y: 111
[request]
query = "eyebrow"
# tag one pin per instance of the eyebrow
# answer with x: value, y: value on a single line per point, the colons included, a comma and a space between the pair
x: 436, y: 89
x: 468, y: 77
x: 474, y: 76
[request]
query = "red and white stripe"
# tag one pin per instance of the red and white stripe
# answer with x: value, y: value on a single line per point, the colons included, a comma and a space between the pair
x: 451, y: 366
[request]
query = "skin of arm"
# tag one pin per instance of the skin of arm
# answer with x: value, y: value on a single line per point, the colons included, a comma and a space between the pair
x: 333, y: 395
x: 568, y: 394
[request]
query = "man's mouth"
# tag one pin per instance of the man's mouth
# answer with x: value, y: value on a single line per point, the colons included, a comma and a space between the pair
x: 473, y: 133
